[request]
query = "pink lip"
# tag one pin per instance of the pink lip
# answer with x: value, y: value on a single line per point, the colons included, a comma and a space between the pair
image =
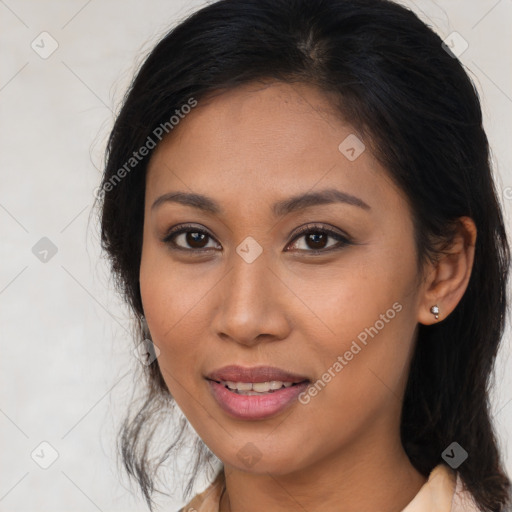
x: 255, y: 407
x: 235, y: 373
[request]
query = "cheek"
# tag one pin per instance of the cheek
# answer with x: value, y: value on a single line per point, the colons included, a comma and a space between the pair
x: 349, y: 296
x: 168, y: 321
x: 174, y: 302
x: 364, y: 340
x: 170, y: 297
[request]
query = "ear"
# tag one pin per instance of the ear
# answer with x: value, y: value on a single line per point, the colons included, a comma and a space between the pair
x: 448, y: 278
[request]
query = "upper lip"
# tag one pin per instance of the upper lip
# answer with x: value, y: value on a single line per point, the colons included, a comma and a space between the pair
x: 235, y: 373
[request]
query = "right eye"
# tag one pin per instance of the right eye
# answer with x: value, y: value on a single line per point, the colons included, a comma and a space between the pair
x: 181, y: 236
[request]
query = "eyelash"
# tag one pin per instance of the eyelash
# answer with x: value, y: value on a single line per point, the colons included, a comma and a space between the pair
x: 305, y: 230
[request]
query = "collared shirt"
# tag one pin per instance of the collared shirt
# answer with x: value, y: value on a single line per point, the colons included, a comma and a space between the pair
x: 443, y: 492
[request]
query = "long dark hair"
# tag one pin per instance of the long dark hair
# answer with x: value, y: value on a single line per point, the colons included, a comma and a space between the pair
x: 392, y: 79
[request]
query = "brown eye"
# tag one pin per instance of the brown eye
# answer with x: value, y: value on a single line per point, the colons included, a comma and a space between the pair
x: 316, y: 239
x: 195, y: 240
x: 188, y: 238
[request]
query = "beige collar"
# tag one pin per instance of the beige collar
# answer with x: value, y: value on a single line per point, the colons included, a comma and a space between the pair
x: 435, y: 494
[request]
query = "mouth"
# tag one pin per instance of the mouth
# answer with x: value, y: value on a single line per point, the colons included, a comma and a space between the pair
x: 255, y: 393
x: 257, y: 388
x: 251, y: 405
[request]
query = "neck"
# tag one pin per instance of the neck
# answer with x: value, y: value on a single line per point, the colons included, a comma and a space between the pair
x: 372, y: 483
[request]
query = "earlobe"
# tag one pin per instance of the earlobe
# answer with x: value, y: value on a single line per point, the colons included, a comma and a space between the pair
x: 450, y: 276
x: 434, y: 315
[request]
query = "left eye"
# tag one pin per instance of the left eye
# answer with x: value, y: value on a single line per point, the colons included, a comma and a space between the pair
x: 315, y: 239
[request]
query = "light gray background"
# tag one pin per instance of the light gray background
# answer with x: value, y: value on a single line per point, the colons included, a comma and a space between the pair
x: 66, y: 353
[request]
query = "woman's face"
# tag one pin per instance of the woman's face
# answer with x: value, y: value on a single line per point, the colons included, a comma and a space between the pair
x: 337, y: 305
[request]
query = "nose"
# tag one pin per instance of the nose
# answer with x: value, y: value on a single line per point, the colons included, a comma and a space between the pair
x: 251, y: 303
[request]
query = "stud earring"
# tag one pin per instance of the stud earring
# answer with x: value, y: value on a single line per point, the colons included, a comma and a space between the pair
x: 435, y: 311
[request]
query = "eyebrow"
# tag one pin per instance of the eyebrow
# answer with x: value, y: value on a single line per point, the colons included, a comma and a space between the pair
x: 280, y: 209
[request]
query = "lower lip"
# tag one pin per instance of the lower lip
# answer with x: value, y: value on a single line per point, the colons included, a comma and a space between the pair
x: 255, y: 407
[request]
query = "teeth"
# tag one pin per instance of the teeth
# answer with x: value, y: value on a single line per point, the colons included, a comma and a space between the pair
x: 242, y: 386
x: 253, y: 388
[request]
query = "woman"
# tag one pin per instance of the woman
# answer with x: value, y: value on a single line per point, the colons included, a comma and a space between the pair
x: 299, y: 207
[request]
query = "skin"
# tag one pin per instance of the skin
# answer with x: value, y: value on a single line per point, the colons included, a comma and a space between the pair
x: 246, y: 149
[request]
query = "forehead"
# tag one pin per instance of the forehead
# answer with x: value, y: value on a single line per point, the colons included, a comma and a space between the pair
x: 261, y: 138
x: 255, y: 113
